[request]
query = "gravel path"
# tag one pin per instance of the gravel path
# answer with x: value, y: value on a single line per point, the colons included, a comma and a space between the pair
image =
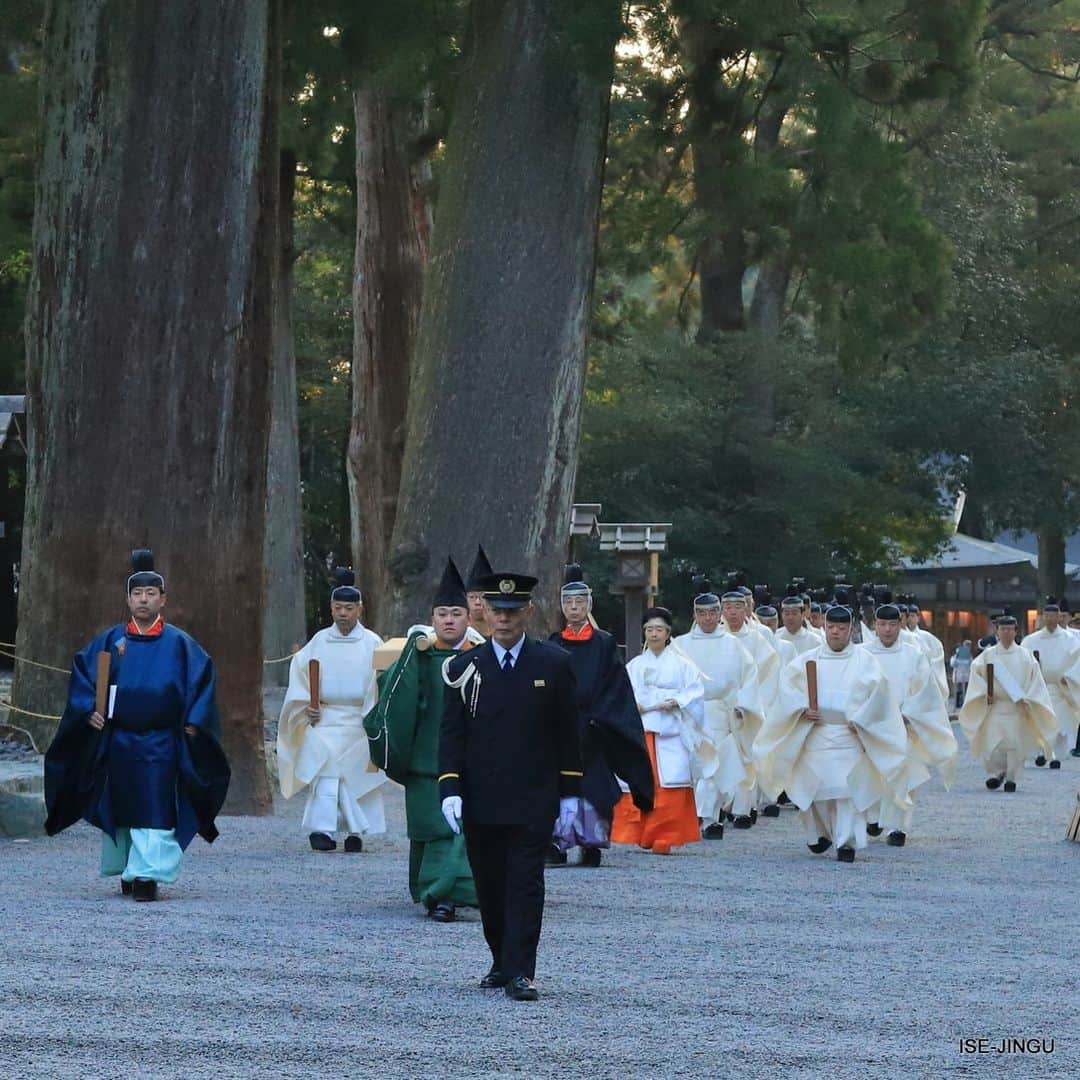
x: 746, y: 957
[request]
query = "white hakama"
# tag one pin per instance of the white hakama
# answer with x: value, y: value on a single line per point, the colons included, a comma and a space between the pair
x: 332, y: 758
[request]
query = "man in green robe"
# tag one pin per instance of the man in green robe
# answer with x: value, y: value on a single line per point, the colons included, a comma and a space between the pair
x: 403, y: 731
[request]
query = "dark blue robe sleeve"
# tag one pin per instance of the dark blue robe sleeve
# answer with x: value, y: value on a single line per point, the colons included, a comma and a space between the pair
x: 204, y: 772
x: 75, y: 763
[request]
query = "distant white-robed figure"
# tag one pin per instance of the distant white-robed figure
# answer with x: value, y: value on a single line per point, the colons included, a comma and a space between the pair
x: 1017, y: 718
x: 325, y: 749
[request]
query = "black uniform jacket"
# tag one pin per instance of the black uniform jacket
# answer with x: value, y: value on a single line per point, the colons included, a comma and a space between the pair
x: 509, y: 744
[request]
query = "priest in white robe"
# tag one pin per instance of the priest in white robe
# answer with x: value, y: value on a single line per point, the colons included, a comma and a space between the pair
x: 1015, y: 718
x: 325, y: 748
x: 796, y: 630
x: 843, y: 757
x: 723, y: 766
x: 930, y: 740
x: 1058, y: 653
x: 931, y: 645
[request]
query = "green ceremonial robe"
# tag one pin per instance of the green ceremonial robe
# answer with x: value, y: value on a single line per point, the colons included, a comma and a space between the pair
x: 403, y: 732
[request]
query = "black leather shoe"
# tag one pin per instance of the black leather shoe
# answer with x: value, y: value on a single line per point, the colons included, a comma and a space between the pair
x: 521, y: 989
x: 353, y: 843
x: 555, y: 857
x: 319, y: 841
x: 144, y: 889
x: 715, y: 831
x: 443, y: 911
x: 874, y: 829
x: 1075, y: 752
x: 896, y: 838
x: 845, y: 854
x: 772, y: 810
x: 125, y: 887
x: 823, y: 844
x: 493, y: 980
x: 753, y: 817
x: 591, y: 857
x: 1010, y: 785
x: 1040, y: 760
x: 1055, y: 764
x: 743, y: 821
x: 993, y: 782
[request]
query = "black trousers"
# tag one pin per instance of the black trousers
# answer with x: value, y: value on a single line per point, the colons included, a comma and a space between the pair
x: 508, y: 868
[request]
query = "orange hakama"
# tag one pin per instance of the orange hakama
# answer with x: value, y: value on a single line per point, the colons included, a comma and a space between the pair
x: 672, y: 820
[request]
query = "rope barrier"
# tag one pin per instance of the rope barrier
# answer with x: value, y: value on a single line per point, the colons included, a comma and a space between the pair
x: 34, y: 663
x: 6, y: 704
x: 5, y: 645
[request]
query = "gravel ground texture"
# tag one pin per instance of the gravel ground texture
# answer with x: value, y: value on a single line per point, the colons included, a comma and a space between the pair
x: 745, y: 957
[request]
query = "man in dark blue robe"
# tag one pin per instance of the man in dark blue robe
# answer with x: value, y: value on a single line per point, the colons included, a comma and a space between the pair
x: 149, y: 772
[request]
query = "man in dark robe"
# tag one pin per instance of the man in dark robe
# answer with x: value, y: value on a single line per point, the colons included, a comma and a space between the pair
x: 146, y: 769
x: 612, y: 737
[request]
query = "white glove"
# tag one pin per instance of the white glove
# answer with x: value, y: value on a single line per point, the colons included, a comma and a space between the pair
x: 451, y: 810
x: 568, y: 810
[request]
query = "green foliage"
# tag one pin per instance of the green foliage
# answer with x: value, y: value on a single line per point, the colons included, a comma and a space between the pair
x: 838, y: 487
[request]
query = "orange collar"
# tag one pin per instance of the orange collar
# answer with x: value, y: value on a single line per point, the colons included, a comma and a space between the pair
x: 155, y: 630
x: 584, y: 634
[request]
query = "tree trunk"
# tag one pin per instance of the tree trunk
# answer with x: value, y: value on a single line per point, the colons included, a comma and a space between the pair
x: 393, y: 229
x: 150, y: 335
x: 1051, y: 562
x: 715, y: 125
x: 284, y: 624
x: 498, y: 373
x: 767, y: 306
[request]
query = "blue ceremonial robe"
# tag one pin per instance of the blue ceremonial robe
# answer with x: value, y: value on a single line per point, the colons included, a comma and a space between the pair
x: 142, y: 771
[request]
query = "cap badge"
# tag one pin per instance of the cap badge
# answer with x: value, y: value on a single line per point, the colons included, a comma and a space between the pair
x: 506, y: 585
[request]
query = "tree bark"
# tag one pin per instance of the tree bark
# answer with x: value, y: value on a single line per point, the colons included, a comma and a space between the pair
x: 393, y: 229
x: 150, y: 335
x: 498, y: 373
x: 1051, y: 575
x: 767, y: 306
x: 715, y: 124
x: 284, y: 624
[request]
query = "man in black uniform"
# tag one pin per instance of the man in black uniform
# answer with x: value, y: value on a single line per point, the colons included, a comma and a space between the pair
x: 510, y: 767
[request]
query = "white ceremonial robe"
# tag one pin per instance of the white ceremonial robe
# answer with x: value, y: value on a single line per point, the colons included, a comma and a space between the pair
x: 930, y: 740
x: 1021, y: 719
x: 762, y: 647
x: 332, y: 758
x: 833, y: 771
x: 806, y: 639
x: 935, y: 653
x: 679, y: 732
x: 785, y: 651
x: 1059, y: 658
x: 723, y: 765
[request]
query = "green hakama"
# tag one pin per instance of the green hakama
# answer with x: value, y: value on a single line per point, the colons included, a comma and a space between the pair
x: 404, y: 733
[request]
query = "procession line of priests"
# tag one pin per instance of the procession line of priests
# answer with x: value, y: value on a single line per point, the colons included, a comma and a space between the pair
x: 1018, y: 719
x: 328, y: 752
x: 849, y: 755
x: 1058, y: 653
x: 915, y: 696
x: 725, y: 779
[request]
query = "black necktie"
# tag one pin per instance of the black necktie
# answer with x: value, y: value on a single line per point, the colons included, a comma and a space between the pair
x: 508, y: 662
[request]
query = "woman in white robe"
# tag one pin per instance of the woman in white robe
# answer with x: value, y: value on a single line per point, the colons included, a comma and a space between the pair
x: 670, y: 697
